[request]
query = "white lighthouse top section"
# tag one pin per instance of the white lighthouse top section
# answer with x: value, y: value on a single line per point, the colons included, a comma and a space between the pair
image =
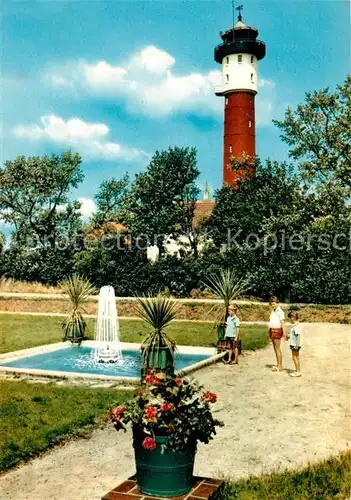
x: 239, y: 73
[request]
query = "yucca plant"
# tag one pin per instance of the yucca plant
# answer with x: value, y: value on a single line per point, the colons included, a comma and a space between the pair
x: 78, y: 290
x: 226, y: 286
x: 157, y: 349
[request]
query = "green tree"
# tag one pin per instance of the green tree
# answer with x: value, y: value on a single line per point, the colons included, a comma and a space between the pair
x: 2, y: 242
x: 112, y: 200
x: 34, y: 196
x: 283, y: 237
x: 163, y: 198
x: 318, y: 133
x: 115, y: 260
x: 239, y: 214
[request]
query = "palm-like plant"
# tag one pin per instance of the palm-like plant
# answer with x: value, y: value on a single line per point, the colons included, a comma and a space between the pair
x: 78, y: 290
x: 157, y: 348
x: 227, y: 286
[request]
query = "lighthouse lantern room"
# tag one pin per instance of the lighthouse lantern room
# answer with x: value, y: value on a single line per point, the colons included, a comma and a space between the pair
x: 239, y: 55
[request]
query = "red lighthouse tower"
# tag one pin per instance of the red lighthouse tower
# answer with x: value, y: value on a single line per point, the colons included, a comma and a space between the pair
x: 239, y: 55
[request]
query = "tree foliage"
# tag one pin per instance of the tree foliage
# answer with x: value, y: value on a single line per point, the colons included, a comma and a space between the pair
x: 284, y: 237
x: 34, y: 196
x: 112, y: 201
x: 318, y: 133
x: 163, y: 198
x: 240, y: 212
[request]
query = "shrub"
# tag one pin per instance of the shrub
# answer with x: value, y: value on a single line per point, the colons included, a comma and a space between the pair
x: 45, y: 265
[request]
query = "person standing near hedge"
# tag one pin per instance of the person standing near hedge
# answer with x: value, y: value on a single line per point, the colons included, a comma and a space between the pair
x: 232, y: 332
x: 276, y: 331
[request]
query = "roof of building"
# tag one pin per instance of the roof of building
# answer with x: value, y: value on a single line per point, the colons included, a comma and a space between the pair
x: 203, y: 210
x: 107, y: 227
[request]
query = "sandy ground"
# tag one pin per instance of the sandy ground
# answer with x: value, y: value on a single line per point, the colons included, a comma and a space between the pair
x: 272, y: 421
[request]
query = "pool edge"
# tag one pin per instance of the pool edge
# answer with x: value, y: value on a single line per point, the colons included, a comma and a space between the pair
x: 90, y: 377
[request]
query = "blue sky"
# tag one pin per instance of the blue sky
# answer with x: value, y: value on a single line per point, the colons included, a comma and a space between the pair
x: 116, y: 80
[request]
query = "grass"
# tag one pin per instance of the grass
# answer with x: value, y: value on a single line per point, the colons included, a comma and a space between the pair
x: 35, y: 417
x: 22, y: 332
x: 326, y: 480
x: 45, y: 303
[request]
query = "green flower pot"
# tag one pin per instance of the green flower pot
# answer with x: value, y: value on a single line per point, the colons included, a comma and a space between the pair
x: 160, y: 360
x: 221, y: 331
x: 163, y: 475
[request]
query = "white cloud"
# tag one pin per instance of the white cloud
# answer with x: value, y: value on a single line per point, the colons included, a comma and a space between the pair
x: 263, y: 82
x: 146, y: 83
x: 152, y: 60
x: 90, y: 139
x: 87, y: 208
x: 149, y: 86
x: 103, y: 74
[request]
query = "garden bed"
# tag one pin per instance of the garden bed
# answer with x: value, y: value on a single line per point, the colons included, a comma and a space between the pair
x: 191, y: 309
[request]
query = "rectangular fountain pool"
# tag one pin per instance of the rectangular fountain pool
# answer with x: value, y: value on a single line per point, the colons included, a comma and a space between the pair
x: 80, y: 360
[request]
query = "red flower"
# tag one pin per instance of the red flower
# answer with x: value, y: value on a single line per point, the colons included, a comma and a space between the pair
x: 167, y: 407
x: 117, y: 412
x: 152, y: 380
x: 151, y: 413
x: 149, y: 443
x: 209, y: 397
x: 179, y: 381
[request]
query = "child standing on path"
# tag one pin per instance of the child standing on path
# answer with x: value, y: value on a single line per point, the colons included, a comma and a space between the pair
x: 232, y: 332
x: 276, y: 331
x: 295, y: 342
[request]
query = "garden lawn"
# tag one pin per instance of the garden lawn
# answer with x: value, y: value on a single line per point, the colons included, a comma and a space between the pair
x: 35, y: 417
x: 22, y: 332
x: 326, y: 480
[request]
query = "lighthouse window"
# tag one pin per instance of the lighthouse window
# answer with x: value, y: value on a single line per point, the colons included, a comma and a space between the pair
x: 252, y: 59
x: 252, y: 78
x: 226, y: 101
x: 227, y: 59
x: 230, y: 148
x: 240, y: 58
x: 227, y: 78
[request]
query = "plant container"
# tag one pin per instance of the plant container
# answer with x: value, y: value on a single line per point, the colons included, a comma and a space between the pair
x: 167, y: 474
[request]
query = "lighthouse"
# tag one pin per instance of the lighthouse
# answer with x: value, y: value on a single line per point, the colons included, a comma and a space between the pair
x: 239, y: 55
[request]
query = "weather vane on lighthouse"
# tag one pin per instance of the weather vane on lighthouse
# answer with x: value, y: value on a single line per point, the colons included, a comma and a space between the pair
x: 240, y: 8
x: 239, y: 55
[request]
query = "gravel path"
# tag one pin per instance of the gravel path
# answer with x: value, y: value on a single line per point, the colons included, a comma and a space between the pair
x: 271, y: 421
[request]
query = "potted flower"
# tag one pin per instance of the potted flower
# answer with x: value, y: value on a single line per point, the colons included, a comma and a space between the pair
x: 78, y: 290
x: 169, y: 417
x: 227, y: 287
x: 157, y: 349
